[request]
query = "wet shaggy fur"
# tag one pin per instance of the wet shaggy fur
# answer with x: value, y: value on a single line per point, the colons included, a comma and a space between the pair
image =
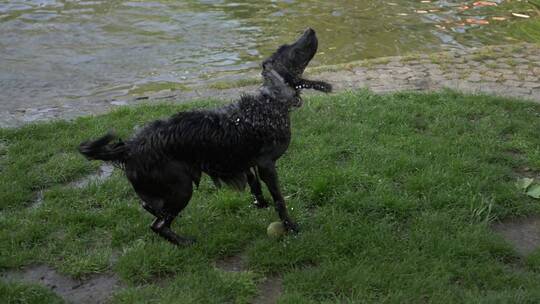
x: 235, y: 144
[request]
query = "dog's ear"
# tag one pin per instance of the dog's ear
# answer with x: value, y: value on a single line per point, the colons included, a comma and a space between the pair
x: 275, y: 86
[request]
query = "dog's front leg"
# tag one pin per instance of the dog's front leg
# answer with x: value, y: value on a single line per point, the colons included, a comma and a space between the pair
x: 268, y: 173
x: 255, y: 188
x: 162, y: 226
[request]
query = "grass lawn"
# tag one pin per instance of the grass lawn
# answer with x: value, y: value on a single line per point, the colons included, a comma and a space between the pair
x: 394, y: 195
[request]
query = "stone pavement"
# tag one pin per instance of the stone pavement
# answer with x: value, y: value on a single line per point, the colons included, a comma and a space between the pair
x: 511, y: 70
x: 507, y: 70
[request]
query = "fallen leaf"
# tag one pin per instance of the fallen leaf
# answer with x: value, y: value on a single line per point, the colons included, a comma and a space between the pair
x: 476, y: 21
x: 434, y: 10
x: 534, y: 191
x: 520, y: 15
x: 464, y: 7
x: 484, y: 3
x: 421, y: 11
x: 524, y: 183
x: 425, y: 1
x: 499, y: 18
x: 403, y: 14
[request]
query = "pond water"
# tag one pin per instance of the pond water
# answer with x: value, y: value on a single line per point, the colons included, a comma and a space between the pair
x: 65, y: 50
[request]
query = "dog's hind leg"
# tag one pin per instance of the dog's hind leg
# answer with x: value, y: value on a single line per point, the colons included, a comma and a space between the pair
x: 174, y: 202
x: 268, y: 173
x: 255, y: 188
x: 166, y: 210
x: 165, y: 196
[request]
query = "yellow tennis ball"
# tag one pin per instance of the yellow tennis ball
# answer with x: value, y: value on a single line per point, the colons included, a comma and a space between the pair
x: 276, y: 230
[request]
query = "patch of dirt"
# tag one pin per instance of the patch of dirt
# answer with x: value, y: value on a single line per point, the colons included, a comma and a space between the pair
x: 514, y: 153
x: 526, y: 172
x: 235, y: 263
x: 38, y: 201
x: 104, y: 172
x: 522, y: 233
x: 97, y: 289
x: 269, y: 291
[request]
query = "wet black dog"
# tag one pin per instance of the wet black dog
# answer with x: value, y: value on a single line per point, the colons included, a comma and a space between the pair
x: 235, y: 144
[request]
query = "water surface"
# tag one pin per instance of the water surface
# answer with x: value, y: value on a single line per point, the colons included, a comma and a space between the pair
x: 54, y: 51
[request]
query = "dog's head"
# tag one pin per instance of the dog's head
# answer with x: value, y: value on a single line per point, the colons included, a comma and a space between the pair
x: 290, y: 61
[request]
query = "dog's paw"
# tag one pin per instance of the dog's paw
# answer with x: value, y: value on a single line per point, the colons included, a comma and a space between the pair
x: 260, y: 203
x: 291, y: 226
x: 183, y: 241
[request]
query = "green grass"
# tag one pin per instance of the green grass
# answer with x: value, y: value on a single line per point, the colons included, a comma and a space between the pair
x: 15, y: 293
x: 394, y: 195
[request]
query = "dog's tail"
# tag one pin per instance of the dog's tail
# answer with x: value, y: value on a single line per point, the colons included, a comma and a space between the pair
x: 102, y: 149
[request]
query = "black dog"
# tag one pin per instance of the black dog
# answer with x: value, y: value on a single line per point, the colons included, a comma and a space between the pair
x: 234, y: 144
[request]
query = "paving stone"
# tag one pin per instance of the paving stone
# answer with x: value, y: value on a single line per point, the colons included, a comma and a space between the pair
x: 507, y: 90
x: 437, y: 78
x: 493, y: 74
x: 521, y: 67
x: 512, y: 83
x: 451, y: 84
x: 529, y: 78
x: 489, y: 79
x: 507, y: 72
x: 520, y: 60
x: 467, y: 87
x: 403, y: 76
x: 431, y: 66
x: 452, y: 75
x: 359, y: 71
x: 512, y: 76
x: 531, y: 85
x: 394, y: 64
x: 461, y: 66
x: 474, y: 77
x: 435, y: 71
x: 535, y: 95
x: 483, y: 68
x: 503, y: 66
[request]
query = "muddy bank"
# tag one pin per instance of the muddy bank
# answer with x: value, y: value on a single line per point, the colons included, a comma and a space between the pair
x: 96, y: 289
